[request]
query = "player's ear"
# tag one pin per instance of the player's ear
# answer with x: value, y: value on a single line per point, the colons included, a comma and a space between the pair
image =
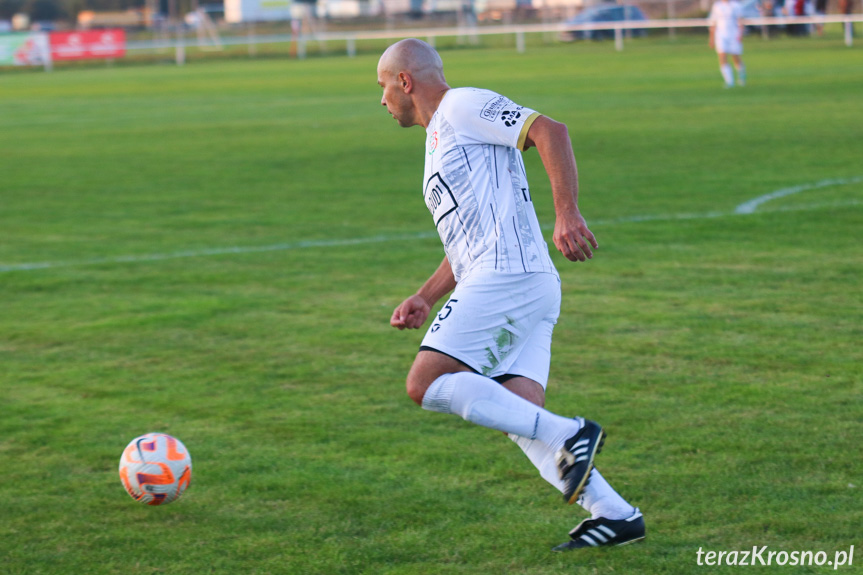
x: 405, y: 82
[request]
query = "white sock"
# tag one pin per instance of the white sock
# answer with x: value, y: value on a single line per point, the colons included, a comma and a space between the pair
x: 601, y: 500
x: 727, y: 74
x: 741, y: 75
x: 598, y: 498
x: 485, y: 402
x: 542, y: 458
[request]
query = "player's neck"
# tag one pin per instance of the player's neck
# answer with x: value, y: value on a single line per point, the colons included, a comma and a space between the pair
x: 431, y: 104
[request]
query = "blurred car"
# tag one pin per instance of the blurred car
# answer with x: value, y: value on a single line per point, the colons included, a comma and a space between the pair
x: 754, y: 9
x: 602, y: 13
x: 760, y: 9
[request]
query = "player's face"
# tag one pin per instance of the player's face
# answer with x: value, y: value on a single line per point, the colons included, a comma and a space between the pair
x: 395, y: 100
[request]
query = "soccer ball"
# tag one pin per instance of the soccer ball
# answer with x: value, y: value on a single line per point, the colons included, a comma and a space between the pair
x: 155, y: 468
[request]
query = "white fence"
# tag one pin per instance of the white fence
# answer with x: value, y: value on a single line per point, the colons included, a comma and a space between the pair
x: 180, y: 43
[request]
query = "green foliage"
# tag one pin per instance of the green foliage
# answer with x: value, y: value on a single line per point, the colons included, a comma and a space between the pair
x: 720, y: 350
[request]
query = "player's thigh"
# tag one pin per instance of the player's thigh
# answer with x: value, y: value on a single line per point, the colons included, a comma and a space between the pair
x: 533, y: 361
x: 427, y: 367
x: 491, y: 318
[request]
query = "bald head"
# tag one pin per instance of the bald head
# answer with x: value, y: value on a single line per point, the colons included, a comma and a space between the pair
x: 411, y: 75
x: 416, y: 58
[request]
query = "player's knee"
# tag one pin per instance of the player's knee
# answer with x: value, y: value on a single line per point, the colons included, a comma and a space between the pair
x: 420, y: 377
x: 416, y: 390
x: 527, y: 389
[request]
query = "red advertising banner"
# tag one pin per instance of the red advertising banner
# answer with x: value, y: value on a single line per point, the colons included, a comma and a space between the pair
x: 88, y: 44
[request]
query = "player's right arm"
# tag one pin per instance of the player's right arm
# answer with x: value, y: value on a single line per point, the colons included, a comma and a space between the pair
x: 414, y: 311
x: 571, y: 236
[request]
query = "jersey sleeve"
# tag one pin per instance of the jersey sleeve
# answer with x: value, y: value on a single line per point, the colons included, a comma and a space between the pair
x: 485, y: 117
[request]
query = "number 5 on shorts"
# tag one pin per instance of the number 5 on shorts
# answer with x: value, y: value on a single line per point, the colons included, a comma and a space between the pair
x: 444, y: 313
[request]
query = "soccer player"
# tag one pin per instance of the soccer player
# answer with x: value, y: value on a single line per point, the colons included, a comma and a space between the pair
x: 726, y: 37
x: 486, y: 354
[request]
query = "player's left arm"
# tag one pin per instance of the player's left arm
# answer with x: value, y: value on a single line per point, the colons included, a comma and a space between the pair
x: 551, y: 139
x: 413, y: 312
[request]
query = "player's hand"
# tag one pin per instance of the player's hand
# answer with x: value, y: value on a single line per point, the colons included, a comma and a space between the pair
x: 411, y: 313
x: 573, y: 239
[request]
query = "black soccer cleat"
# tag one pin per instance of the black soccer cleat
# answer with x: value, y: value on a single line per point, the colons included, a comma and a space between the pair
x: 602, y: 532
x: 575, y: 458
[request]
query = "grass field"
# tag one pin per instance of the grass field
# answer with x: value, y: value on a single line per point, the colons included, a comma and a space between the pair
x: 214, y: 252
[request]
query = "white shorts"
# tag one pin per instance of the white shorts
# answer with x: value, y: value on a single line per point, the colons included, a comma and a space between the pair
x: 499, y: 324
x: 729, y: 45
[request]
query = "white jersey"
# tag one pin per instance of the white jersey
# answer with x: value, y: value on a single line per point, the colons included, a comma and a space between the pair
x: 476, y: 188
x: 726, y: 16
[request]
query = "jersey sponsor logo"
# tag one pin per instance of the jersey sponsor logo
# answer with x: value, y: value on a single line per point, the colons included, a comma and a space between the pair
x: 439, y: 198
x: 493, y: 108
x: 510, y: 117
x: 501, y: 108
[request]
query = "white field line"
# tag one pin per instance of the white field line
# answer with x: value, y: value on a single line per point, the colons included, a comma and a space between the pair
x: 750, y: 206
x: 743, y: 209
x: 288, y: 246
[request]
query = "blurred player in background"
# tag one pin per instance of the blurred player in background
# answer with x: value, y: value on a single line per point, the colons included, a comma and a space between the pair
x: 487, y: 353
x: 846, y: 7
x: 726, y: 36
